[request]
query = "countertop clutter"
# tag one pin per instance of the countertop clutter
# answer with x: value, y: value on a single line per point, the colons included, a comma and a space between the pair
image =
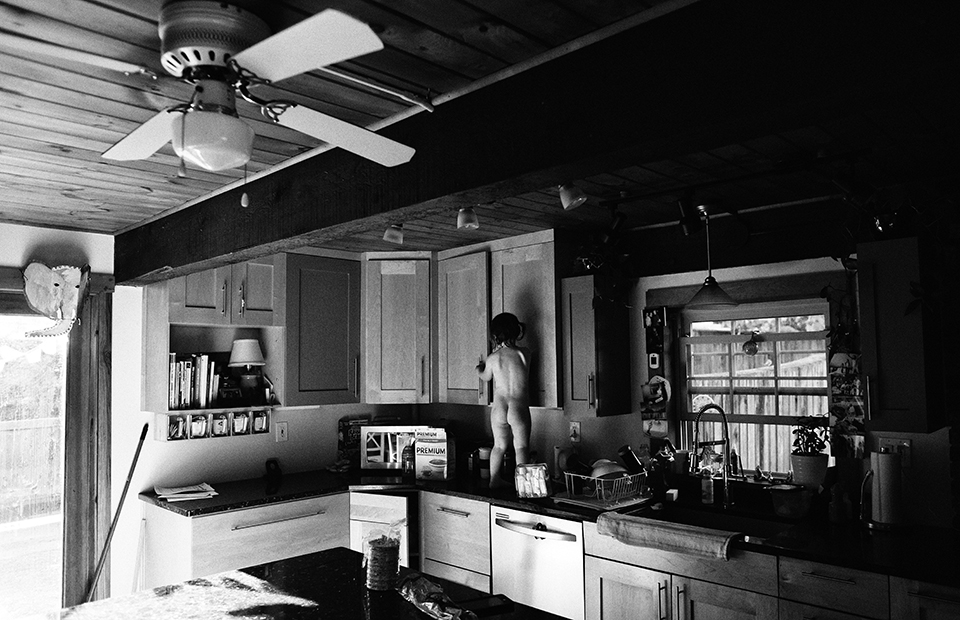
x: 328, y: 584
x: 927, y: 554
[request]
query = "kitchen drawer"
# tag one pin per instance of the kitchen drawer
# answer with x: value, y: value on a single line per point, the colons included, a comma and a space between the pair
x: 239, y: 538
x: 746, y: 570
x: 456, y: 531
x: 791, y: 610
x: 916, y: 600
x: 843, y: 589
x: 477, y: 581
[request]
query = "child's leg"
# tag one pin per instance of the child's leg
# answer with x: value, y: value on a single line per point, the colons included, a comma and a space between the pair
x: 501, y: 441
x: 519, y: 419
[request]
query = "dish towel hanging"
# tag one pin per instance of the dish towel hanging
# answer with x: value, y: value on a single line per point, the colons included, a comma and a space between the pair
x: 656, y: 534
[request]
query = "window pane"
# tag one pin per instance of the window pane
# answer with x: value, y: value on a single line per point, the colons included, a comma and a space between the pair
x: 755, y: 404
x: 757, y: 445
x: 707, y: 328
x: 796, y: 405
x: 32, y: 380
x: 804, y: 323
x: 709, y: 360
x: 748, y: 326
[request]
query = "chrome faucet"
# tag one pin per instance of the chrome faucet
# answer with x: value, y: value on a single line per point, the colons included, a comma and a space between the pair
x: 725, y: 442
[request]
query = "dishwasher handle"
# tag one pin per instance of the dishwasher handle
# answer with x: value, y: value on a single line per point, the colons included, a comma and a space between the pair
x: 507, y: 524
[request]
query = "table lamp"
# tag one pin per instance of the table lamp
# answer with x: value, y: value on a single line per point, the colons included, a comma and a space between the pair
x: 246, y: 353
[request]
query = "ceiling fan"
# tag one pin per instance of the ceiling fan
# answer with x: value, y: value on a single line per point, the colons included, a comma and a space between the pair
x: 223, y: 51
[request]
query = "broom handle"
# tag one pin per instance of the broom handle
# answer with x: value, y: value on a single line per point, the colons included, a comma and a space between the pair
x: 113, y: 526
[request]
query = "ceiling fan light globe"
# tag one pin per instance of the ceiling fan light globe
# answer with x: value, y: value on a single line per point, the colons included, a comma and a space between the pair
x: 211, y: 140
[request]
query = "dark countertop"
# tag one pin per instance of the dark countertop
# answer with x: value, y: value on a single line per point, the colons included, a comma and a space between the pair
x: 328, y: 584
x: 927, y: 554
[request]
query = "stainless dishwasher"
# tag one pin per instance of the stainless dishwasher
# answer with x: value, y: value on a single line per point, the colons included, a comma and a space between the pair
x: 538, y: 560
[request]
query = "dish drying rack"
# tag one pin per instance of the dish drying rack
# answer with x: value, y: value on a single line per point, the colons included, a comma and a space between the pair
x: 603, y: 493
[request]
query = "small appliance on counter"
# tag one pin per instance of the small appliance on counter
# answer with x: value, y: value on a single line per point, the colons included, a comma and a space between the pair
x: 381, y: 447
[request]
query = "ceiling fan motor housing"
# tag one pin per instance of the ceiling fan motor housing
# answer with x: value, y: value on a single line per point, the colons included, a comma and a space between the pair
x: 196, y: 33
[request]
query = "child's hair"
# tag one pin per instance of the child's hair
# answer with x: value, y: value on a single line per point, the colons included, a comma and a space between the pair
x: 506, y: 328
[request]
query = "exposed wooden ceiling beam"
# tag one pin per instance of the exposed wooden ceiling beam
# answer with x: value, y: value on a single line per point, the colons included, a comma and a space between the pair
x: 707, y: 76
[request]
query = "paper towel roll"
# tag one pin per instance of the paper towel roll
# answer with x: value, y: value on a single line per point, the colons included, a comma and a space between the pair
x: 887, y: 493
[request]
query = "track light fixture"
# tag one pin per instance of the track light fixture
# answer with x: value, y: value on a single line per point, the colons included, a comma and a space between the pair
x: 467, y: 219
x: 710, y: 296
x: 571, y: 196
x: 394, y: 234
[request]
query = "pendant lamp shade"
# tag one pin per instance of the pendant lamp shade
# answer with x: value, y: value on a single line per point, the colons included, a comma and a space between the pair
x: 467, y: 219
x: 710, y: 296
x: 571, y: 196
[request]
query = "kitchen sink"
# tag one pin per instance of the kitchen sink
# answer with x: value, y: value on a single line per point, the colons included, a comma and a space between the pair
x: 756, y: 529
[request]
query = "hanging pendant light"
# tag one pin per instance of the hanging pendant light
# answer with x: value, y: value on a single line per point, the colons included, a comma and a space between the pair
x: 710, y: 296
x: 467, y: 219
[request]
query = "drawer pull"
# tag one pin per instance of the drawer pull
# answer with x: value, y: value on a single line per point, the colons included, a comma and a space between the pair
x: 930, y: 597
x: 458, y: 513
x: 661, y: 588
x: 281, y: 520
x: 829, y: 578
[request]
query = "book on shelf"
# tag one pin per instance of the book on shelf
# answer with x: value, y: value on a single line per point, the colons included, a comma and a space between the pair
x: 195, y: 380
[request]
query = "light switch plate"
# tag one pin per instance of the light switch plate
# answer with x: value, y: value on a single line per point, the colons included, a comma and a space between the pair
x: 281, y: 430
x: 574, y: 432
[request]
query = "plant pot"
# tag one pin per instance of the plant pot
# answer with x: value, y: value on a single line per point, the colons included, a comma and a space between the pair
x: 809, y: 470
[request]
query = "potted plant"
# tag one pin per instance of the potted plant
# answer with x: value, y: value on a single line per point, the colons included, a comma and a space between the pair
x: 808, y: 459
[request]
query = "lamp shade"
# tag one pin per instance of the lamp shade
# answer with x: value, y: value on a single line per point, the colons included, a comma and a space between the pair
x: 467, y: 218
x: 246, y: 352
x: 711, y: 296
x: 571, y: 196
x: 212, y: 140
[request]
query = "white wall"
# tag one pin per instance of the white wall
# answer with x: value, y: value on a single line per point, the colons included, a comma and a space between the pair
x: 23, y: 244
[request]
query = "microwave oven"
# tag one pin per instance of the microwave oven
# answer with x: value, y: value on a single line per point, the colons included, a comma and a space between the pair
x: 381, y: 447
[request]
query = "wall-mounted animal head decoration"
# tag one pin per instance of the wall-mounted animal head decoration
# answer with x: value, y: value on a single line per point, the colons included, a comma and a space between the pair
x: 56, y: 293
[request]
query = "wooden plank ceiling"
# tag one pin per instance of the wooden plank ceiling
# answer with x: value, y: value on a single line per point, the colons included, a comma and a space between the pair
x: 875, y: 138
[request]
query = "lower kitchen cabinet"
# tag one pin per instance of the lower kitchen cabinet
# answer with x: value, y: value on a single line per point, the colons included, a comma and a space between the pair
x: 792, y: 610
x: 917, y: 600
x: 701, y: 600
x: 177, y: 548
x: 615, y: 591
x: 455, y: 539
x: 371, y: 513
x: 836, y: 588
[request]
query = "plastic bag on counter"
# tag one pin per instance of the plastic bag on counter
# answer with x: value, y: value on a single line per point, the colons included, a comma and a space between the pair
x: 532, y: 480
x: 430, y: 598
x: 381, y: 556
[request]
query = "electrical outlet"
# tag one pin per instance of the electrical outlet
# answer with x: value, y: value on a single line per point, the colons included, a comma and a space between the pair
x: 898, y: 444
x: 281, y: 431
x: 574, y: 432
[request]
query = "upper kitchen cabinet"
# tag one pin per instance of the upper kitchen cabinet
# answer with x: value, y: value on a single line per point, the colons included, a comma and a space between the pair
x: 322, y: 342
x: 906, y: 341
x: 396, y: 329
x: 463, y: 320
x: 523, y: 282
x: 249, y: 293
x: 596, y: 350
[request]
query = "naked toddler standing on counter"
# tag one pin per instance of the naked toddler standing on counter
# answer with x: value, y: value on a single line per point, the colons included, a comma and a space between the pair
x: 509, y: 367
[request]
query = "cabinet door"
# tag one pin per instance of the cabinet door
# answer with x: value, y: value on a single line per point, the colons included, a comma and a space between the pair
x: 201, y: 298
x: 900, y: 337
x: 463, y: 325
x: 255, y: 293
x: 700, y: 600
x: 397, y: 330
x: 322, y: 330
x: 579, y: 346
x: 523, y: 282
x: 791, y: 610
x: 615, y: 591
x: 916, y: 600
x: 371, y: 513
x: 835, y: 587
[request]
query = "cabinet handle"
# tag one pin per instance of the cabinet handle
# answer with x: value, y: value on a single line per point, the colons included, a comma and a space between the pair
x: 280, y: 520
x: 591, y: 389
x: 457, y: 513
x: 356, y: 376
x: 680, y: 591
x: 423, y: 375
x: 534, y: 532
x: 243, y: 301
x: 660, y: 588
x: 480, y: 383
x: 223, y: 294
x: 930, y: 597
x: 868, y: 396
x: 829, y: 578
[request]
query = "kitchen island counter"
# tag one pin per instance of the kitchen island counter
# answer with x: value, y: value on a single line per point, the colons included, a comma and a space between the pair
x: 327, y: 585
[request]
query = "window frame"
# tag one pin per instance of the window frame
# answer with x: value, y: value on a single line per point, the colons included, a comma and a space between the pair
x: 766, y: 309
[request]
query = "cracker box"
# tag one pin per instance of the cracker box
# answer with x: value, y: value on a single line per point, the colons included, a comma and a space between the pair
x: 434, y: 457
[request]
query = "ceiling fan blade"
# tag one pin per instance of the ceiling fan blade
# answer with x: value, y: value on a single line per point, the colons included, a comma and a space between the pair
x: 145, y: 140
x: 326, y: 38
x: 349, y: 137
